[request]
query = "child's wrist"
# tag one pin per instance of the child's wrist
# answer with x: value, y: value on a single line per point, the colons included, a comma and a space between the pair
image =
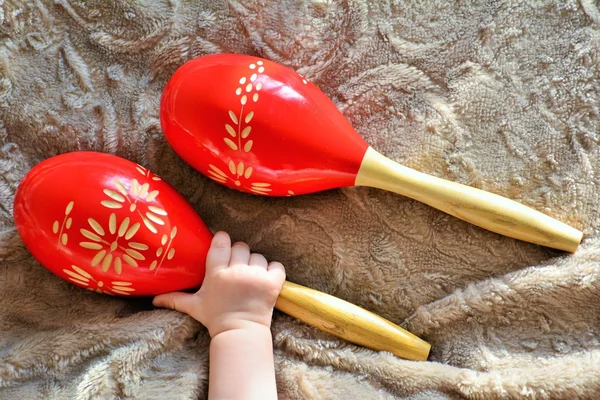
x: 241, y: 328
x: 239, y: 324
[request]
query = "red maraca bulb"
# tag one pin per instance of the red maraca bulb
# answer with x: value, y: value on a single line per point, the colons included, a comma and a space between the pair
x: 259, y: 127
x: 111, y: 226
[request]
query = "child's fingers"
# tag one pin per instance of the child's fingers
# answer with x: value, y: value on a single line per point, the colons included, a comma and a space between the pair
x: 178, y: 301
x: 219, y: 252
x: 277, y: 269
x: 240, y: 254
x: 258, y: 260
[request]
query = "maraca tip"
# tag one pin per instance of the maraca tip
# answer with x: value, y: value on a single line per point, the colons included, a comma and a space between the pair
x: 570, y: 241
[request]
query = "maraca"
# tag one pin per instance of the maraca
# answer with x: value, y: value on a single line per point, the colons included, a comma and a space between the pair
x: 259, y: 127
x: 108, y: 225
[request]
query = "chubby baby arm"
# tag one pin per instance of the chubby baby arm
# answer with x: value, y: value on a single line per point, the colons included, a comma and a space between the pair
x: 235, y: 304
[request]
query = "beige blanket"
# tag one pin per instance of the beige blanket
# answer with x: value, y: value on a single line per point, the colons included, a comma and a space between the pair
x: 502, y: 96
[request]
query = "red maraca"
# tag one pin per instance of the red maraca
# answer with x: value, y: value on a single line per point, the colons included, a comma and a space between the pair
x: 108, y: 225
x: 259, y: 127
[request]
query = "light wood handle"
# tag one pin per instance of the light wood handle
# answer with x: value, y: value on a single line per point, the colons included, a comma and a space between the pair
x: 486, y: 210
x: 349, y: 322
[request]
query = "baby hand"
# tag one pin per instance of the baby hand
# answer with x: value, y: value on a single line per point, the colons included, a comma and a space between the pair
x: 239, y: 289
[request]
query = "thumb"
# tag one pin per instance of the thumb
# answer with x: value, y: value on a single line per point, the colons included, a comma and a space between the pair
x: 178, y: 301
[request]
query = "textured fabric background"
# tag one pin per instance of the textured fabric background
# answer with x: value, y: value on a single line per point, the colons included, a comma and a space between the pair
x: 502, y: 96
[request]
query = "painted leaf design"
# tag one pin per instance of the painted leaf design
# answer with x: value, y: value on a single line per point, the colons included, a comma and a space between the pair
x: 114, y: 195
x: 98, y: 257
x: 231, y: 144
x: 123, y: 227
x: 246, y: 132
x: 155, y: 218
x: 130, y: 260
x: 138, y: 246
x: 135, y: 254
x: 230, y: 130
x: 135, y: 187
x: 118, y: 265
x: 96, y: 226
x: 261, y: 187
x: 121, y: 188
x: 111, y: 204
x: 123, y: 289
x: 81, y: 271
x: 112, y: 223
x: 144, y: 190
x: 90, y: 245
x: 149, y: 225
x: 90, y: 235
x: 157, y: 210
x: 132, y: 231
x: 217, y: 174
x: 152, y: 195
x: 233, y: 117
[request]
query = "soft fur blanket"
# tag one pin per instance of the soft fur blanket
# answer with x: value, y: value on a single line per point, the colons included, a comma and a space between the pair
x: 502, y: 96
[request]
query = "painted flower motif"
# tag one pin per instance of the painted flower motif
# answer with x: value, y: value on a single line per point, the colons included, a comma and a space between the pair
x: 60, y: 229
x: 85, y: 279
x: 239, y: 173
x: 151, y: 216
x: 106, y: 243
x: 165, y: 250
x: 240, y: 130
x: 238, y: 133
x: 147, y: 173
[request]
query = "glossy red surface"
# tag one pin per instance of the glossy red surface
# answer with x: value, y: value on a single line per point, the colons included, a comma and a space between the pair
x: 111, y: 226
x: 259, y: 127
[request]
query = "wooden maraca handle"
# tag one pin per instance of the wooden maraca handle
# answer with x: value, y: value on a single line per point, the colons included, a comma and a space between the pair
x: 487, y: 210
x: 349, y: 322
